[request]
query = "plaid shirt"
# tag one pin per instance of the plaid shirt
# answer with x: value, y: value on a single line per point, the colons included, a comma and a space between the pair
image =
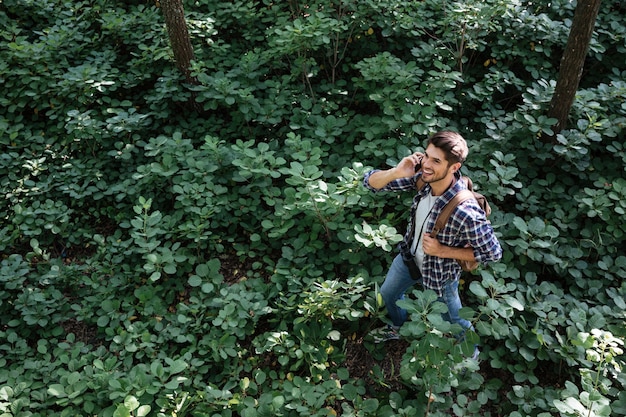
x: 467, y: 226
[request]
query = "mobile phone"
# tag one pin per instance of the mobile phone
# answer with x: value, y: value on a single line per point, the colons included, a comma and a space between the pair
x: 418, y: 166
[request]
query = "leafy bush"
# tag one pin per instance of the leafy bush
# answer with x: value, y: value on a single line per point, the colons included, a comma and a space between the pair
x: 158, y: 260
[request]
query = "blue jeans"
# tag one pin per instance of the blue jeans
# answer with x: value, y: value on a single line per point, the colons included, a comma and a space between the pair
x: 399, y: 280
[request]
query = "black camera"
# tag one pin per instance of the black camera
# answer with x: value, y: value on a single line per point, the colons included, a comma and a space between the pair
x: 409, y: 261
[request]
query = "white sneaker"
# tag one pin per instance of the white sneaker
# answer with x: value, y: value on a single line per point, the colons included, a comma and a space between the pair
x: 385, y: 333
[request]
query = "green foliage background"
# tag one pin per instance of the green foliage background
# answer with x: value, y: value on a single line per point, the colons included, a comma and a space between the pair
x: 159, y: 261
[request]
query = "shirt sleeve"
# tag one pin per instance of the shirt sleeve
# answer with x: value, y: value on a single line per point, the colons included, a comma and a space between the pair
x: 469, y: 227
x: 401, y: 184
x: 479, y: 234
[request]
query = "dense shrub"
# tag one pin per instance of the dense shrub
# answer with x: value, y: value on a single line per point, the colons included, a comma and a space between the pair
x: 158, y: 260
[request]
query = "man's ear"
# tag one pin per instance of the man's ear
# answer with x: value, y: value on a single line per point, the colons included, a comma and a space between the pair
x: 456, y: 166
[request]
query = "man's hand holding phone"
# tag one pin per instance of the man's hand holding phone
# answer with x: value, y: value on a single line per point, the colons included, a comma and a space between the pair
x: 409, y: 165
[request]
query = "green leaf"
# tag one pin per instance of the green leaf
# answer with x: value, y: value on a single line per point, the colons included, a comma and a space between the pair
x: 520, y: 224
x: 478, y: 290
x: 131, y: 403
x: 194, y: 281
x: 203, y: 270
x: 143, y: 410
x: 208, y: 288
x: 176, y: 366
x: 121, y: 411
x: 73, y: 378
x: 102, y: 321
x: 370, y: 405
x: 570, y: 406
x: 157, y: 369
x: 350, y: 392
x: 514, y: 302
x: 57, y: 390
x: 260, y: 377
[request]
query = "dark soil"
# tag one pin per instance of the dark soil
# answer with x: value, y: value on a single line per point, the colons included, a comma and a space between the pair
x: 360, y: 362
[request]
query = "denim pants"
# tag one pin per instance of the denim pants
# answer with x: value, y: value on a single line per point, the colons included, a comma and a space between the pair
x: 399, y: 280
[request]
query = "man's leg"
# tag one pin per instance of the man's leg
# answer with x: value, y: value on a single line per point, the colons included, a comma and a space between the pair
x: 453, y: 301
x: 397, y: 281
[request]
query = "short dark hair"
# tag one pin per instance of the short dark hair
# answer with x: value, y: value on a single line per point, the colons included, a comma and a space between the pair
x: 452, y: 144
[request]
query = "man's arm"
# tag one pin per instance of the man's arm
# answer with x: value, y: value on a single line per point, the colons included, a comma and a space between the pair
x: 404, y: 169
x: 483, y: 245
x: 434, y: 248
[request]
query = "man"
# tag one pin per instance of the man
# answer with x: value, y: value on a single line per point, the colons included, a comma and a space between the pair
x: 468, y: 235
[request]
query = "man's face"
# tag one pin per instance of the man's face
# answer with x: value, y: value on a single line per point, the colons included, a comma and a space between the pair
x: 435, y: 166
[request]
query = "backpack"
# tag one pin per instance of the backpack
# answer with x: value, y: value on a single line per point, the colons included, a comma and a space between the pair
x: 445, y: 214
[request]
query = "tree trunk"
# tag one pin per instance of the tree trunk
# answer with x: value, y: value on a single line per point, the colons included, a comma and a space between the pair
x: 572, y: 61
x: 174, y: 15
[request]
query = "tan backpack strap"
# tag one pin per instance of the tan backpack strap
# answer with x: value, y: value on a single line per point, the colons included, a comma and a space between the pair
x: 445, y: 214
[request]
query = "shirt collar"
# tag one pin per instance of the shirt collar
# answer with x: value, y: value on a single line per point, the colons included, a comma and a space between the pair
x: 449, y: 193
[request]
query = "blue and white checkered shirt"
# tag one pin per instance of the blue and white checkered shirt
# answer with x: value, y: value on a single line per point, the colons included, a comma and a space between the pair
x: 467, y: 226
